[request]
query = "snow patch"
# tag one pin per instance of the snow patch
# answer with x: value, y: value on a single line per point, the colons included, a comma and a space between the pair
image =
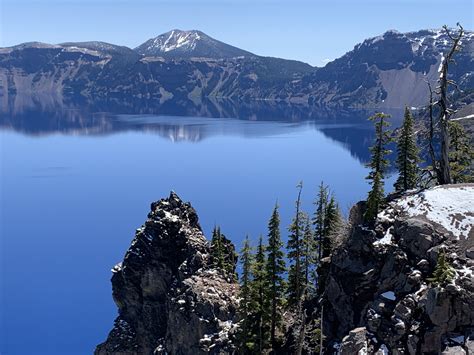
x: 451, y: 207
x: 387, y: 238
x: 117, y: 268
x: 462, y: 118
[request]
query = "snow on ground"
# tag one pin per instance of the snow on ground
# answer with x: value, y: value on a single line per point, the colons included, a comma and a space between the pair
x: 387, y: 238
x: 463, y: 118
x: 449, y: 206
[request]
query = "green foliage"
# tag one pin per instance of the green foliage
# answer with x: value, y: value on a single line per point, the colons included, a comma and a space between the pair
x: 378, y: 166
x: 443, y: 273
x: 260, y: 306
x: 407, y: 155
x: 309, y: 257
x: 223, y: 255
x: 275, y: 269
x: 245, y: 305
x: 461, y: 154
x: 217, y: 248
x: 327, y: 220
x: 295, y: 253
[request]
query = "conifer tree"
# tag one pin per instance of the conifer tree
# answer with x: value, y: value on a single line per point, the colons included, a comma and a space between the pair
x: 332, y: 224
x: 327, y: 220
x: 319, y: 217
x: 309, y: 256
x: 294, y: 246
x: 407, y: 155
x: 461, y: 154
x: 217, y: 248
x: 245, y: 305
x: 275, y: 268
x: 261, y: 309
x: 222, y: 253
x: 378, y: 165
x: 443, y: 273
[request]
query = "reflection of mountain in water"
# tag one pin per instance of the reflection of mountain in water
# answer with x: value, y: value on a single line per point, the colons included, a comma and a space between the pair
x: 196, y: 121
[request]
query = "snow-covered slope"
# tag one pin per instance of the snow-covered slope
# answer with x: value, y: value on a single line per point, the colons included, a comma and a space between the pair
x: 187, y: 44
x: 451, y: 207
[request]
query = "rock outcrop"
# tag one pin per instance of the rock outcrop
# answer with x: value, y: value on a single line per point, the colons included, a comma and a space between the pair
x: 378, y: 297
x: 170, y: 298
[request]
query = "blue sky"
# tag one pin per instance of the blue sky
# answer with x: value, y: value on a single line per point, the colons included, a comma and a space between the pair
x: 313, y: 31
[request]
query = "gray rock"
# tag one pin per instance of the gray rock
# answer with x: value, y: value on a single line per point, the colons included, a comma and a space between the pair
x: 169, y: 297
x: 453, y: 350
x: 354, y: 342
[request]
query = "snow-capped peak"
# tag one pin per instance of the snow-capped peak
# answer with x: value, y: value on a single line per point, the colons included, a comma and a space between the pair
x: 187, y: 44
x: 176, y: 39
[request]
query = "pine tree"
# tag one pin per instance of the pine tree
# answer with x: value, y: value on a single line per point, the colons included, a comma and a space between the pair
x: 443, y: 272
x: 245, y: 305
x: 223, y: 254
x: 407, y: 155
x: 378, y: 165
x: 332, y: 225
x: 319, y: 216
x: 261, y: 308
x: 294, y: 246
x: 217, y: 248
x: 309, y: 256
x: 326, y: 221
x: 275, y: 268
x: 461, y: 154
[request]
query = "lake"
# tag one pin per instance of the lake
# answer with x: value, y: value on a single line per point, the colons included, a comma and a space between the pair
x: 76, y: 183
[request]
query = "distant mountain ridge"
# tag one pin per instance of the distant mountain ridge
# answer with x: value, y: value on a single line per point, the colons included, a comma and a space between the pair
x: 389, y: 70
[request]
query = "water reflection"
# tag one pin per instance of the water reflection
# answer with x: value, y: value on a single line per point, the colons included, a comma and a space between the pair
x: 188, y: 121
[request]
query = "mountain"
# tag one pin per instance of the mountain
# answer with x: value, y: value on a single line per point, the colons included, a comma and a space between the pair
x: 387, y: 71
x: 390, y: 70
x: 188, y: 44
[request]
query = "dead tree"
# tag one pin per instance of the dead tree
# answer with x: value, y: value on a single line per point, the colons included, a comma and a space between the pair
x: 442, y: 169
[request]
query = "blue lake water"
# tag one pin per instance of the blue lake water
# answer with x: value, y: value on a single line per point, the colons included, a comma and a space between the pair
x: 75, y: 186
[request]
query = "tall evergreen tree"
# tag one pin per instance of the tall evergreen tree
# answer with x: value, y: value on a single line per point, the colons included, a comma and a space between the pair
x: 309, y: 256
x: 275, y: 268
x: 223, y: 254
x: 378, y: 166
x: 461, y: 154
x: 261, y: 309
x: 332, y: 225
x: 294, y: 246
x: 327, y: 219
x: 245, y: 305
x: 319, y: 216
x: 407, y: 155
x: 217, y: 248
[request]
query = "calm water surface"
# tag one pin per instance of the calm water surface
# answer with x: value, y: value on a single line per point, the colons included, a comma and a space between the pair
x: 75, y: 186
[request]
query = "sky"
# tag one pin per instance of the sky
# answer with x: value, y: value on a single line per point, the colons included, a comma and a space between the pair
x: 313, y: 31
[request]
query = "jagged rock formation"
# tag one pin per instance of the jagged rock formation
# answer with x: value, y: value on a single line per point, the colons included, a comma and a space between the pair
x: 378, y: 298
x: 169, y: 297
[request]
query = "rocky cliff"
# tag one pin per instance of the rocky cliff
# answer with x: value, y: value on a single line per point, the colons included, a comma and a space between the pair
x: 378, y: 299
x: 386, y: 71
x: 170, y: 298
